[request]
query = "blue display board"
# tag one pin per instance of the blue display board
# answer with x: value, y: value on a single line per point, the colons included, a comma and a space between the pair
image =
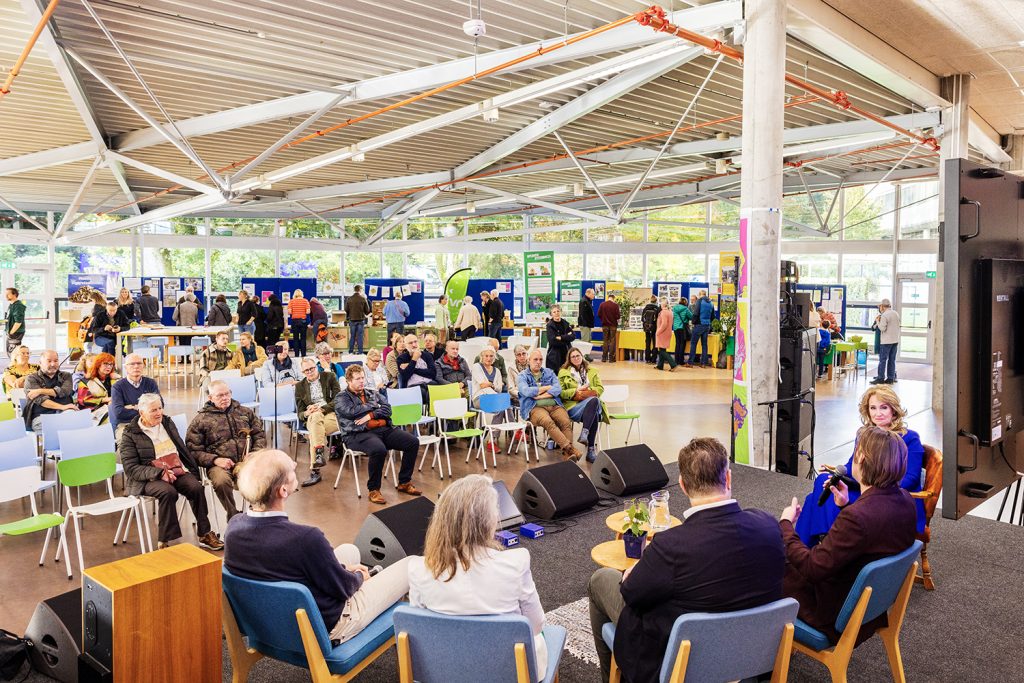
x: 374, y: 289
x: 166, y: 290
x: 599, y: 295
x: 686, y: 288
x: 279, y: 286
x: 822, y: 295
x: 477, y: 285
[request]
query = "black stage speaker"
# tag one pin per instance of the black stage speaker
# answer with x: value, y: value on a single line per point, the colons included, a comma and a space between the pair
x: 627, y: 470
x: 554, y: 491
x: 793, y: 418
x: 394, y: 532
x: 56, y: 634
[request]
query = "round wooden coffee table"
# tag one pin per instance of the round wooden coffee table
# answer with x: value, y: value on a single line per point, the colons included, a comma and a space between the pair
x: 612, y: 554
x: 615, y: 520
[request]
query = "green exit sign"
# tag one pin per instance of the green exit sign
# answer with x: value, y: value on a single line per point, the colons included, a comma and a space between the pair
x: 7, y: 264
x: 930, y: 274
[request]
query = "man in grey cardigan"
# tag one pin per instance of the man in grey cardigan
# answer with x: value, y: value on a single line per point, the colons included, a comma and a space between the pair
x: 888, y: 324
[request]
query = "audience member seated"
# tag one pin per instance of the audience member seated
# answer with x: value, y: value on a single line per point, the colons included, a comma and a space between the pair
x: 464, y: 572
x: 522, y: 355
x: 882, y: 522
x: 468, y: 320
x: 581, y: 396
x: 540, y: 401
x: 124, y: 397
x: 453, y: 368
x: 487, y: 379
x: 391, y: 354
x: 82, y: 367
x: 376, y: 374
x: 325, y: 360
x: 47, y: 391
x: 365, y: 421
x: 263, y: 545
x: 430, y: 344
x: 19, y: 369
x: 105, y: 326
x: 416, y: 368
x: 281, y: 370
x: 498, y: 360
x: 216, y: 356
x: 879, y: 407
x: 94, y: 390
x: 314, y: 404
x: 220, y: 436
x: 157, y: 463
x: 248, y: 357
x: 721, y: 559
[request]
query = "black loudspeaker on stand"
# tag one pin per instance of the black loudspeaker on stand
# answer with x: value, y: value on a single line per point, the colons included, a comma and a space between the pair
x: 556, y: 490
x: 794, y: 411
x: 394, y: 532
x: 628, y: 470
x: 56, y: 634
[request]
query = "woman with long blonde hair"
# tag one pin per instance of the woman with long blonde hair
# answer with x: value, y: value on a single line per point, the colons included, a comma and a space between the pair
x: 464, y: 571
x: 879, y: 407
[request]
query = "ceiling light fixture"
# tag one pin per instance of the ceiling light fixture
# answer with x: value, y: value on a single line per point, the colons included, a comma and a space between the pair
x: 359, y: 156
x: 491, y: 115
x: 470, y: 207
x: 577, y: 189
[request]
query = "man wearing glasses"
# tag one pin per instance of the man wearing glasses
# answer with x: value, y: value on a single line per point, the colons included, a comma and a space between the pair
x: 314, y: 403
x: 125, y: 394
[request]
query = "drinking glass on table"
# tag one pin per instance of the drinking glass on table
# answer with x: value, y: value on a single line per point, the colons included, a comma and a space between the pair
x: 661, y: 519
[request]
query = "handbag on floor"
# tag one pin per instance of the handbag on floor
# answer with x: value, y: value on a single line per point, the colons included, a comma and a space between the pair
x: 13, y: 654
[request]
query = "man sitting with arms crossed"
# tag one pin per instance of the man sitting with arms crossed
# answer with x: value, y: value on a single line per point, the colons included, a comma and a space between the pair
x: 453, y: 368
x: 124, y: 396
x: 722, y: 559
x: 263, y: 545
x: 151, y: 435
x: 365, y: 420
x: 314, y: 404
x: 48, y: 391
x: 416, y: 367
x: 220, y: 435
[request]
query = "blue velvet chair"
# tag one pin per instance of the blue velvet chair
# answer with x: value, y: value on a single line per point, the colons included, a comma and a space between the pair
x: 703, y: 646
x: 882, y: 586
x: 280, y: 619
x: 441, y: 648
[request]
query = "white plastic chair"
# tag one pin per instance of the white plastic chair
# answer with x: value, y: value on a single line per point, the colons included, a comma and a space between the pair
x: 493, y: 404
x: 55, y: 423
x: 243, y: 390
x: 24, y: 482
x: 618, y: 394
x: 456, y: 409
x: 225, y: 374
x: 285, y: 407
x: 585, y: 347
x: 349, y: 455
x: 516, y: 339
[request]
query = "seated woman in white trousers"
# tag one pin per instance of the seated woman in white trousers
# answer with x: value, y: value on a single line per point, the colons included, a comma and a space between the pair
x: 464, y: 571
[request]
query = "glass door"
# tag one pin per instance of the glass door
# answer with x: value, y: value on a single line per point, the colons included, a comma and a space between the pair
x: 35, y: 289
x: 915, y: 301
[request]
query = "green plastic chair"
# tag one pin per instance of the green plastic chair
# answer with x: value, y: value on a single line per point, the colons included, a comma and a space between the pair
x: 23, y: 482
x: 456, y: 409
x: 7, y: 411
x: 410, y: 415
x: 91, y: 469
x: 618, y: 394
x: 444, y: 392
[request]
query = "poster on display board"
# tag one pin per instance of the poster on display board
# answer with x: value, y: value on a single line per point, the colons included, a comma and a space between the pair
x: 82, y: 285
x: 728, y: 262
x: 539, y: 267
x: 570, y: 290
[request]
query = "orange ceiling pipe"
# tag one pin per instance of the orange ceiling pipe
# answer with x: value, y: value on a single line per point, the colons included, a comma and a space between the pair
x: 655, y: 18
x: 556, y: 157
x: 542, y: 50
x: 16, y: 69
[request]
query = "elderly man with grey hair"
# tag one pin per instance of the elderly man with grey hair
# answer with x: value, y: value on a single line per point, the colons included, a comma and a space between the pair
x: 888, y: 325
x: 125, y: 394
x: 496, y: 316
x: 157, y: 463
x: 264, y: 545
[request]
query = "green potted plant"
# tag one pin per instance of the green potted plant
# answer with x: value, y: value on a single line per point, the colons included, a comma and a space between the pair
x: 634, y: 535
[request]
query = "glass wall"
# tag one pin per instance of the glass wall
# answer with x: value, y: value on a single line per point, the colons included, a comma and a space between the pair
x: 325, y: 266
x: 228, y: 266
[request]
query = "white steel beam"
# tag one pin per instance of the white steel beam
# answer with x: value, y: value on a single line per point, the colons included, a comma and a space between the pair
x: 25, y: 216
x: 200, y: 203
x: 34, y: 161
x: 595, y: 98
x: 704, y: 18
x: 69, y: 216
x: 161, y: 173
x: 595, y: 218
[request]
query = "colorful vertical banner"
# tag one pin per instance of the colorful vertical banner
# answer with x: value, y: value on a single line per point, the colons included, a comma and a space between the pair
x: 455, y: 289
x: 539, y: 267
x: 742, y: 435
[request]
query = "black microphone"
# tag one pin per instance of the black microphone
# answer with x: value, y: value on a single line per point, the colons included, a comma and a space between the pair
x: 838, y: 474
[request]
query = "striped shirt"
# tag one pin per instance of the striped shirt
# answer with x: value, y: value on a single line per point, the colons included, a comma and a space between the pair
x: 298, y: 308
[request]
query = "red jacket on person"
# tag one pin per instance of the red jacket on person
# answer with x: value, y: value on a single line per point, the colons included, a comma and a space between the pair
x: 608, y: 313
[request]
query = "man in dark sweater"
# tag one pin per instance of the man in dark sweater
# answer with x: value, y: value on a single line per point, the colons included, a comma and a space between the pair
x: 124, y: 395
x: 585, y: 319
x: 721, y: 559
x: 149, y: 306
x: 609, y: 313
x: 264, y: 545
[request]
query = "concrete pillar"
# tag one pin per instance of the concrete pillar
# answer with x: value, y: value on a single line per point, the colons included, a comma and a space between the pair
x: 757, y: 337
x: 955, y: 122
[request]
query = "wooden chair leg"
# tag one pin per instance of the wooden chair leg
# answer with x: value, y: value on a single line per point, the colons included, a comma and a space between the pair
x: 891, y: 641
x: 925, y: 577
x: 242, y: 658
x: 616, y: 674
x: 404, y: 659
x: 781, y: 670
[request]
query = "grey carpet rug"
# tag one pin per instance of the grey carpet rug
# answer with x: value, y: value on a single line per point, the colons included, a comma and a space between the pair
x: 967, y: 630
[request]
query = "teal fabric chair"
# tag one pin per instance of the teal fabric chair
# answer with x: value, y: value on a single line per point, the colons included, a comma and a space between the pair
x: 441, y: 648
x: 280, y: 620
x: 703, y: 646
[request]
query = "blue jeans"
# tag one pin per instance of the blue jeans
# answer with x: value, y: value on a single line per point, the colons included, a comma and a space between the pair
x: 248, y: 327
x: 886, y: 362
x: 494, y: 330
x: 700, y: 334
x: 394, y: 327
x: 108, y: 344
x: 588, y: 413
x: 355, y: 335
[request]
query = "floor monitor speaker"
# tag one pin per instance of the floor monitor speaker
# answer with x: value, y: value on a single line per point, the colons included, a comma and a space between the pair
x: 554, y: 491
x: 628, y: 470
x: 395, y: 532
x: 56, y: 634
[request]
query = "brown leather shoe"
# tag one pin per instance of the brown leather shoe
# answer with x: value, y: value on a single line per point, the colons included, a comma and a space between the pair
x: 376, y: 498
x: 570, y: 453
x: 211, y: 542
x: 408, y: 489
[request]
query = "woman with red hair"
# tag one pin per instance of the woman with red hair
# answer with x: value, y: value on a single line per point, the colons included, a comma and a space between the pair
x: 93, y: 391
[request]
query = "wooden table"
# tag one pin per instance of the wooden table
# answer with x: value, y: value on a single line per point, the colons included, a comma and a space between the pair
x: 143, y: 331
x: 615, y: 521
x: 612, y: 554
x: 635, y: 340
